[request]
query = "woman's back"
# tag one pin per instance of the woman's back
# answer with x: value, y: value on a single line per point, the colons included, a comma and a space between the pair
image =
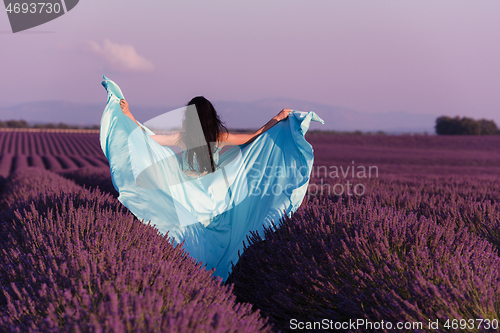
x: 195, y: 170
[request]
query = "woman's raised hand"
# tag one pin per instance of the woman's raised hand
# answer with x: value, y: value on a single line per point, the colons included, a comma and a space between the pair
x: 283, y: 114
x: 124, y: 106
x: 125, y: 109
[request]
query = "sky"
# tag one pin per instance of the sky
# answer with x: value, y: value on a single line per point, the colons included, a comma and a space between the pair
x: 435, y: 57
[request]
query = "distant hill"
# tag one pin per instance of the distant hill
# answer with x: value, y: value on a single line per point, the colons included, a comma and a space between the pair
x: 256, y: 114
x: 251, y: 115
x: 54, y: 112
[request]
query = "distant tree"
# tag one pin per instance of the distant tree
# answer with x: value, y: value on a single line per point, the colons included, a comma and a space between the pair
x: 92, y: 127
x: 44, y: 126
x: 17, y: 124
x: 60, y: 125
x: 488, y: 127
x: 65, y: 126
x: 465, y: 126
x: 445, y: 125
x: 24, y: 124
x: 470, y: 126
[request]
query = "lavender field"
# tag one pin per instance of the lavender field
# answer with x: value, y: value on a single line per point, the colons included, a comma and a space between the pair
x: 417, y: 243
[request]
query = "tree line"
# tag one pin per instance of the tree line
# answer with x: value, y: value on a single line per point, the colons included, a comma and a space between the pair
x: 24, y: 124
x: 444, y: 126
x: 465, y: 126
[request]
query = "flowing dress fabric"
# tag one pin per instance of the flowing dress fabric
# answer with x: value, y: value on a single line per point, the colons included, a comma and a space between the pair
x: 254, y: 184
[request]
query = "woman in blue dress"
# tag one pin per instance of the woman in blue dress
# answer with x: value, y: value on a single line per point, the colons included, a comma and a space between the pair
x: 215, y: 134
x: 209, y: 201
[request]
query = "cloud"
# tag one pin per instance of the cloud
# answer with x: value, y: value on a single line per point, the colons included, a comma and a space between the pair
x: 121, y: 57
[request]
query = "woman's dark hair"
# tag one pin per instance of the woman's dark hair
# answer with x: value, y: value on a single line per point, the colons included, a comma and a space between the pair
x: 201, y: 146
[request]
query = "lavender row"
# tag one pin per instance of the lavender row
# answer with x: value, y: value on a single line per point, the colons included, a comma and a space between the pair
x: 27, y: 184
x: 10, y: 162
x: 419, y: 154
x: 409, y: 250
x: 77, y: 260
x: 446, y: 143
x: 471, y: 201
x: 92, y: 178
x: 41, y: 143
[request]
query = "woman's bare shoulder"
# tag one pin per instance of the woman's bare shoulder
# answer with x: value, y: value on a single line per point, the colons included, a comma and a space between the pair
x: 229, y: 139
x: 172, y: 139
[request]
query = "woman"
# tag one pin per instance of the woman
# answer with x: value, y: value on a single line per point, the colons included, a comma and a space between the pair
x: 214, y: 132
x: 208, y: 202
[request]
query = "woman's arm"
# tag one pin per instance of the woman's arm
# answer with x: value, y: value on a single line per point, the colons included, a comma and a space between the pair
x: 239, y: 138
x: 169, y: 139
x: 163, y: 139
x: 126, y: 111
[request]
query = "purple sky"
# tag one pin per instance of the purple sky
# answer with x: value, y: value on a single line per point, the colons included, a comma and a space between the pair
x: 436, y: 57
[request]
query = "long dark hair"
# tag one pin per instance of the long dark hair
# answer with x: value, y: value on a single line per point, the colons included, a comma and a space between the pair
x: 196, y: 144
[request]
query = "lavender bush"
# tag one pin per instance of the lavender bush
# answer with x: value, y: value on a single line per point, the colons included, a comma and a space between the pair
x: 471, y: 202
x: 6, y: 164
x: 415, y: 155
x: 36, y: 161
x: 78, y: 143
x: 92, y: 177
x: 52, y: 163
x: 49, y: 150
x: 27, y: 184
x: 386, y: 256
x: 79, y: 261
x: 421, y: 243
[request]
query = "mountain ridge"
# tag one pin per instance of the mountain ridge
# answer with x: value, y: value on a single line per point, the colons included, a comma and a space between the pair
x: 260, y: 111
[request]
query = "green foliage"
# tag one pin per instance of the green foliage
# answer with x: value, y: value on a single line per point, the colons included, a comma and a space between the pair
x: 14, y: 124
x: 50, y: 125
x: 465, y: 126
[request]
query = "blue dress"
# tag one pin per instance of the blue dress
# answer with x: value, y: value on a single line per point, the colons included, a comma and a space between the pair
x: 253, y: 185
